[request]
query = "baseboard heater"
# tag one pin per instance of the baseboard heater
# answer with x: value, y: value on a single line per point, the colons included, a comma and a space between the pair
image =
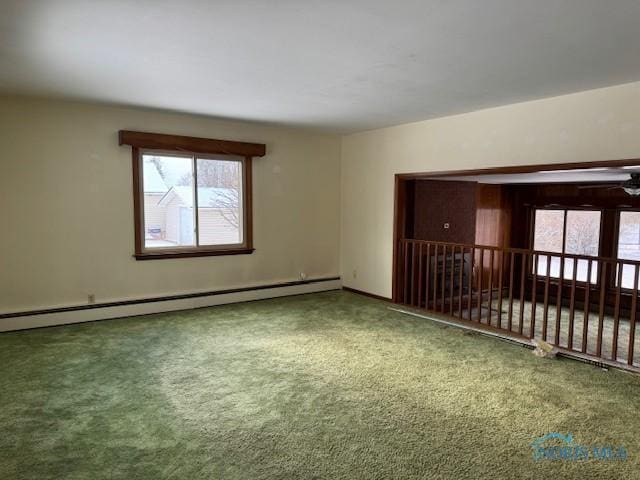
x: 170, y: 303
x: 601, y: 363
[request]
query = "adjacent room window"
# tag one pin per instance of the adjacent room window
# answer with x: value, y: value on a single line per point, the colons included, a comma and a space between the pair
x: 570, y: 231
x: 192, y: 196
x: 628, y: 244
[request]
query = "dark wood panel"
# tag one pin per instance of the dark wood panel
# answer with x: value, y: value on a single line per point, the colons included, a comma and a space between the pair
x: 248, y: 202
x: 399, y: 215
x: 493, y: 220
x: 570, y: 194
x: 161, y: 141
x: 137, y: 199
x: 436, y: 203
x: 493, y: 216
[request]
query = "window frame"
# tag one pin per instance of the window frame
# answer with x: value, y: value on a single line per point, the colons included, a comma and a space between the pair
x: 616, y: 239
x: 565, y: 210
x: 171, y: 145
x: 616, y: 246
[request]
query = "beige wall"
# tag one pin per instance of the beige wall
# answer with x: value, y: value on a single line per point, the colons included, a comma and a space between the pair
x: 66, y: 215
x: 600, y: 124
x: 65, y: 189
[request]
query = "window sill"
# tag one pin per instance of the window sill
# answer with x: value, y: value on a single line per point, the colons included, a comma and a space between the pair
x: 193, y: 253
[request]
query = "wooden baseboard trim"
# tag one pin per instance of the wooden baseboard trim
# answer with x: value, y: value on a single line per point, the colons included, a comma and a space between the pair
x: 366, y: 294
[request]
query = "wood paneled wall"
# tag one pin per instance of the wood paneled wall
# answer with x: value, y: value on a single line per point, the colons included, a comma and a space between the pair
x: 475, y: 213
x: 436, y: 203
x: 524, y: 199
x: 493, y: 215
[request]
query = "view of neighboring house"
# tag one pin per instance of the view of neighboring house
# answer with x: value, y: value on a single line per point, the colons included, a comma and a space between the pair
x: 154, y: 215
x: 170, y: 217
x: 218, y: 221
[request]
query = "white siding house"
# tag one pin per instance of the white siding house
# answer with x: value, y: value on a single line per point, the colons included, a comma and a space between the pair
x: 154, y: 213
x: 218, y: 216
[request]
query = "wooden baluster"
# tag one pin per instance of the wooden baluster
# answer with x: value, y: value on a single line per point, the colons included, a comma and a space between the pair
x: 534, y: 286
x: 585, y: 321
x: 460, y: 281
x: 632, y: 319
x: 511, y: 280
x: 435, y: 278
x: 399, y: 273
x: 413, y: 273
x: 616, y: 313
x: 491, y: 259
x: 480, y: 275
x: 545, y: 313
x: 559, y: 301
x: 420, y: 275
x: 500, y: 282
x: 444, y: 276
x: 406, y: 273
x: 451, y: 274
x: 470, y: 293
x: 572, y: 303
x: 427, y: 292
x: 523, y: 271
x: 603, y: 288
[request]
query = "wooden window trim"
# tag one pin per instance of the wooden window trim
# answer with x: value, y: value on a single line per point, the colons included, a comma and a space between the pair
x: 565, y: 210
x: 179, y: 143
x: 616, y: 247
x: 142, y: 142
x: 616, y: 234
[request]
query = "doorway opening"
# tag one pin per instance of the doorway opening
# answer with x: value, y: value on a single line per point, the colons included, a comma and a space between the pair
x: 549, y: 252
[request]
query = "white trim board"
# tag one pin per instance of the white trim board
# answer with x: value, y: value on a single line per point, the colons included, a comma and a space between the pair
x: 109, y: 312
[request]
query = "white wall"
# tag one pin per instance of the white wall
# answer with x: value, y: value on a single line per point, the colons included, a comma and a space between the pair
x: 601, y: 124
x: 66, y: 215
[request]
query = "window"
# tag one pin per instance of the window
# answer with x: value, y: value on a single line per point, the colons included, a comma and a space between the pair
x: 575, y: 232
x: 193, y: 199
x: 177, y: 214
x: 628, y: 244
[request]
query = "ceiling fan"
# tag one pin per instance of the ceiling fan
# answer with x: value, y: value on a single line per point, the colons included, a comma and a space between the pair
x: 631, y: 186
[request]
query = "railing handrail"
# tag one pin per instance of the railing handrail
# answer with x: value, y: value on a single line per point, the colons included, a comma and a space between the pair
x: 584, y: 314
x: 525, y: 251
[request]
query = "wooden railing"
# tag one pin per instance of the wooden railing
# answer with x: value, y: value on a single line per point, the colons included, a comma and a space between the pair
x: 580, y: 303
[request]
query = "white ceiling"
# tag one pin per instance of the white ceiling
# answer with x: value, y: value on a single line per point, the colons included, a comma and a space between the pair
x: 614, y: 175
x: 338, y: 66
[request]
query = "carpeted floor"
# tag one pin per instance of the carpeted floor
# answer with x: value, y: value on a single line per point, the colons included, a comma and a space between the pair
x: 322, y: 386
x: 608, y: 328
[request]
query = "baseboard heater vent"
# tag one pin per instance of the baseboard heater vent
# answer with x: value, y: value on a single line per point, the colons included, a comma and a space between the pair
x: 522, y: 343
x: 144, y: 306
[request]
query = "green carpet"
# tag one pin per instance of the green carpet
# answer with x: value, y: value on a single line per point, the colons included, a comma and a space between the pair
x: 322, y: 386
